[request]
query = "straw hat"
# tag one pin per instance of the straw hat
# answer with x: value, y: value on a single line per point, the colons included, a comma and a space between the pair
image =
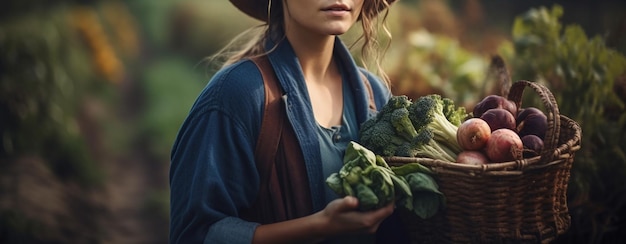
x: 258, y: 8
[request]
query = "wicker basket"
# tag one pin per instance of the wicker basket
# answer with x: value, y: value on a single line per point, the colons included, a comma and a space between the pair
x: 521, y: 201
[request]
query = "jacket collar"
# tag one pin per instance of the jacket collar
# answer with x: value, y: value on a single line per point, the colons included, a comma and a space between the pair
x: 291, y: 77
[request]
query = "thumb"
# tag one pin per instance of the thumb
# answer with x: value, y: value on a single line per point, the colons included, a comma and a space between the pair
x: 348, y: 203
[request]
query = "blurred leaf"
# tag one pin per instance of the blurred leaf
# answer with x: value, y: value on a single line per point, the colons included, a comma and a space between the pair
x: 170, y: 85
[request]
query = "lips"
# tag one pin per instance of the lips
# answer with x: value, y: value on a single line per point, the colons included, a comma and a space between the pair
x: 337, y: 7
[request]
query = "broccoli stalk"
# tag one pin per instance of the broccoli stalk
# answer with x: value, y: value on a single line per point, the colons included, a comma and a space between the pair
x: 428, y: 112
x: 425, y: 145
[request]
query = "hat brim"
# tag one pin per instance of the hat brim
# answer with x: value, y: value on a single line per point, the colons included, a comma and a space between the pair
x: 258, y: 8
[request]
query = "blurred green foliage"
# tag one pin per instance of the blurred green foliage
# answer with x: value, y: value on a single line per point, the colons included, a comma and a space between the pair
x: 41, y: 88
x: 178, y: 35
x: 170, y: 86
x: 429, y: 63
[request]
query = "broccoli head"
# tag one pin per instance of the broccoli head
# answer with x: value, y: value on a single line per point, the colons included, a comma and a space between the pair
x: 380, y: 137
x: 428, y: 112
x: 402, y: 124
x: 390, y: 128
x: 455, y: 114
x: 394, y: 103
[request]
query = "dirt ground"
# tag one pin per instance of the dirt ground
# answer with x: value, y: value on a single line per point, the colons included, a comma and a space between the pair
x: 50, y: 211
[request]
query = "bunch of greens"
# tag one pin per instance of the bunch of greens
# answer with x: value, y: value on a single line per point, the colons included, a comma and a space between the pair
x: 426, y: 199
x: 367, y: 177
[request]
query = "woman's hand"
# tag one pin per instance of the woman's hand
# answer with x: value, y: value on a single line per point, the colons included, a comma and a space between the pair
x: 342, y: 216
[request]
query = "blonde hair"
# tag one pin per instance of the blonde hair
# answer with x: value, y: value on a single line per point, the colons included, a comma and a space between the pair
x: 251, y: 43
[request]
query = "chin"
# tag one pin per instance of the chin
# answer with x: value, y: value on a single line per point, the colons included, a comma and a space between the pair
x: 337, y: 31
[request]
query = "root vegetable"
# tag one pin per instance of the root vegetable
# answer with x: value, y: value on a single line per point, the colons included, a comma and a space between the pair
x: 499, y: 118
x: 491, y: 102
x: 473, y: 134
x: 472, y: 158
x: 504, y: 145
x: 532, y: 121
x: 532, y: 145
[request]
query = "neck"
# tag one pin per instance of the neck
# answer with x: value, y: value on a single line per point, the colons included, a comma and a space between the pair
x: 315, y: 54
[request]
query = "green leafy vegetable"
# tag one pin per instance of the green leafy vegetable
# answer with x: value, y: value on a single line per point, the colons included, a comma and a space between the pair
x: 369, y: 178
x: 365, y: 176
x: 367, y: 198
x: 427, y: 199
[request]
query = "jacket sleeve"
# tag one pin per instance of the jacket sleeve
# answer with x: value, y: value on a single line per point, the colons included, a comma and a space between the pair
x: 212, y: 174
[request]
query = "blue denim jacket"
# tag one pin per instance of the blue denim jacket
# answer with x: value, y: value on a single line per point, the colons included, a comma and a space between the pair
x: 213, y: 173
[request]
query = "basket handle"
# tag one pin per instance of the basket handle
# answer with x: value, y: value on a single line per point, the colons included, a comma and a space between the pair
x: 551, y: 139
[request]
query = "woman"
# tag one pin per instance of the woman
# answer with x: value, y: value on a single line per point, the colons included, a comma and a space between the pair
x: 215, y: 185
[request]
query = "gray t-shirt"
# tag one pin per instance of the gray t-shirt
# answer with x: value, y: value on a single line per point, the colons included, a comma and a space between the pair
x: 333, y: 143
x: 334, y: 140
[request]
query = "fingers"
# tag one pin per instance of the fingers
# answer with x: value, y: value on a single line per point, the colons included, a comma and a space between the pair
x: 377, y: 214
x: 387, y: 210
x: 371, y: 220
x: 380, y: 214
x: 346, y: 218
